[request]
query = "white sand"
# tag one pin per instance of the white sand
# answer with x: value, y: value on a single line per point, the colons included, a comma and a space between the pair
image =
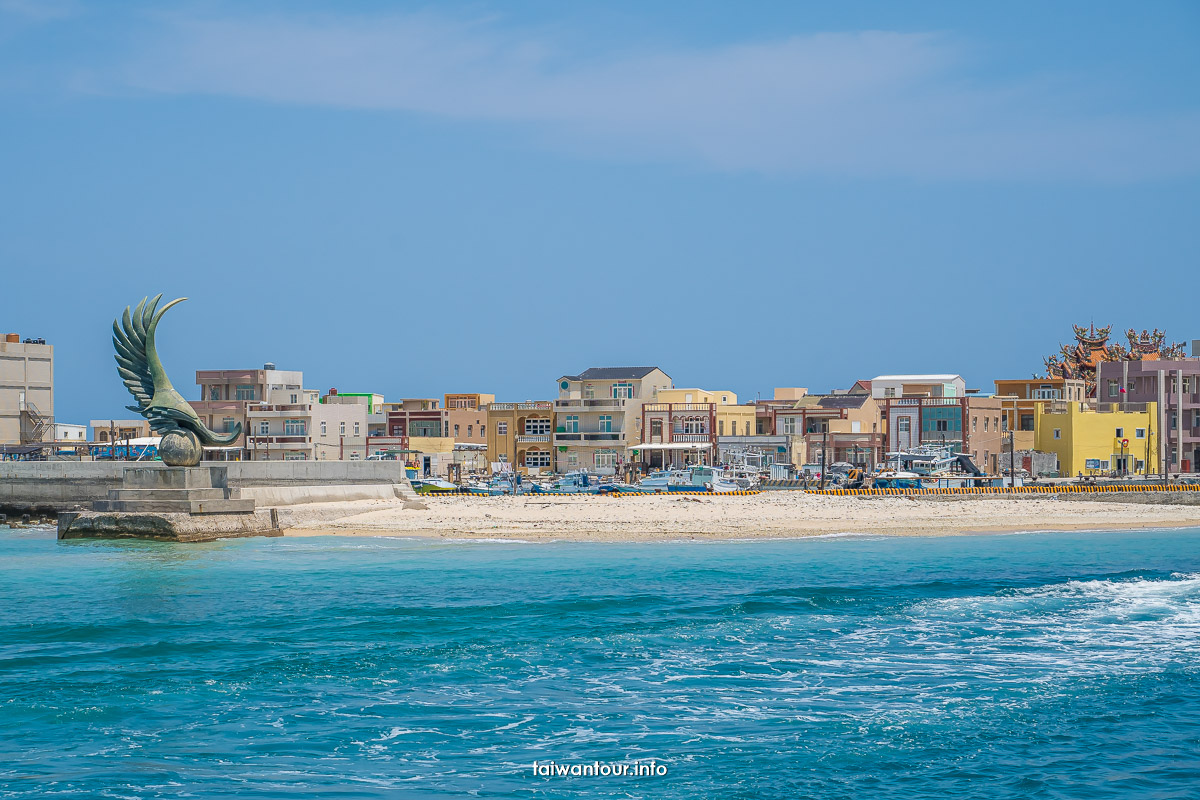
x: 773, y: 514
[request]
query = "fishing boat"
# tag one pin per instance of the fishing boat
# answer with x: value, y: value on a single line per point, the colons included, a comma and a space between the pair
x: 691, y: 479
x: 499, y: 486
x: 434, y: 486
x: 578, y: 482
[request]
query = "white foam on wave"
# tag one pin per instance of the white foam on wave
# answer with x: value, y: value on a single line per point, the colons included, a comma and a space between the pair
x: 1075, y: 627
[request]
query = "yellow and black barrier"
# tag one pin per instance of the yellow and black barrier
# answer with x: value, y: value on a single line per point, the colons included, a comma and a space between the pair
x: 1065, y: 489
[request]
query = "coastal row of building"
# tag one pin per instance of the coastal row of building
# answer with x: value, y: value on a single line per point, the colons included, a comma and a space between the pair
x: 1099, y: 408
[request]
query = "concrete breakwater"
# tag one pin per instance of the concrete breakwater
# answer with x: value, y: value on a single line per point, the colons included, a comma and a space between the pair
x: 48, y: 487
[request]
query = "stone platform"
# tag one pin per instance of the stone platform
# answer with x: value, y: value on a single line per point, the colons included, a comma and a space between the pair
x: 179, y: 490
x: 213, y: 500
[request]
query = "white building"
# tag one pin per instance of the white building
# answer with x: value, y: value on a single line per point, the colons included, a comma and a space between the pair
x: 67, y: 432
x: 310, y: 430
x: 886, y: 386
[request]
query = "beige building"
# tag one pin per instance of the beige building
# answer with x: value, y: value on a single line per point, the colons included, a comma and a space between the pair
x: 683, y: 425
x: 226, y: 394
x: 598, y: 414
x: 307, y: 431
x: 467, y: 400
x: 118, y: 430
x: 521, y: 434
x: 26, y: 390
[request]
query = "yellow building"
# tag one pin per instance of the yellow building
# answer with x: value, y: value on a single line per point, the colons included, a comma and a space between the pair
x: 731, y: 419
x: 1086, y: 437
x: 519, y: 434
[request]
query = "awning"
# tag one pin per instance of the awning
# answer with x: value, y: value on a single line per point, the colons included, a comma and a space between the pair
x: 672, y: 446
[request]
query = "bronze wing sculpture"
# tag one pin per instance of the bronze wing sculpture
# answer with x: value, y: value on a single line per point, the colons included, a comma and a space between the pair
x: 170, y: 416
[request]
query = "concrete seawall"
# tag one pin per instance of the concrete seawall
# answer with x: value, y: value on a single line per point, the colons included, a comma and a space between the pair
x: 53, y: 486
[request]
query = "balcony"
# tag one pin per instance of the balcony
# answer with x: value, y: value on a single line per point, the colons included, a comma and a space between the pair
x: 691, y: 438
x: 541, y: 406
x: 277, y: 442
x: 533, y: 438
x: 703, y: 408
x: 591, y: 436
x: 591, y: 404
x: 279, y: 410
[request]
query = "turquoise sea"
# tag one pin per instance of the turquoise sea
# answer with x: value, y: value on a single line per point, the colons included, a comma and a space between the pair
x: 1046, y: 665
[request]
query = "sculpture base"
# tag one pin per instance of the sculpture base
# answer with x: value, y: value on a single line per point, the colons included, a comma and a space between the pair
x: 166, y: 527
x: 172, y: 503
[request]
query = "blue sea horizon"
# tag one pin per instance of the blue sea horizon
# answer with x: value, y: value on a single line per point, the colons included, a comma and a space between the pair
x: 1056, y: 665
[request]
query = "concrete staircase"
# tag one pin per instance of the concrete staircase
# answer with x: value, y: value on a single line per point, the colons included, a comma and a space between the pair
x: 175, y: 490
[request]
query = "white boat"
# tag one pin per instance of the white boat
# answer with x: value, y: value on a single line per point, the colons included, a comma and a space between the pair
x: 691, y: 479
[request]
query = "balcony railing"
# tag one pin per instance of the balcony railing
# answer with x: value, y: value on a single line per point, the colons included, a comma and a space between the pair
x: 691, y: 438
x: 700, y: 407
x: 530, y: 438
x: 541, y: 406
x: 259, y: 441
x: 291, y: 408
x: 602, y: 402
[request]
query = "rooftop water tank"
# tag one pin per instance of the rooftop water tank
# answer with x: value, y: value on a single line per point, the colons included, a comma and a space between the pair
x: 12, y: 337
x: 269, y: 365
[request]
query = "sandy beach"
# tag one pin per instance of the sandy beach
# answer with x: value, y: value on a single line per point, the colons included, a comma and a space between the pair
x: 771, y: 515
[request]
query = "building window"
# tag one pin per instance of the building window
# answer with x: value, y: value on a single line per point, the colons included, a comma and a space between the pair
x: 1114, y: 389
x: 890, y: 391
x: 904, y: 424
x: 264, y: 428
x: 469, y: 431
x: 975, y: 423
x: 502, y: 429
x: 456, y: 431
x: 356, y: 429
x: 605, y: 423
x: 789, y: 426
x: 1174, y: 420
x: 214, y: 393
x: 446, y: 427
x: 342, y: 428
x: 985, y: 424
x: 244, y: 392
x: 1174, y: 455
x: 622, y: 391
x: 537, y: 458
x: 1138, y: 433
x: 605, y: 458
x: 572, y: 459
x: 1058, y: 433
x: 228, y: 422
x: 323, y: 428
x: 1120, y: 433
x: 942, y: 425
x: 293, y: 427
x: 571, y: 424
x: 537, y: 427
x: 355, y: 455
x: 295, y: 398
x: 483, y: 431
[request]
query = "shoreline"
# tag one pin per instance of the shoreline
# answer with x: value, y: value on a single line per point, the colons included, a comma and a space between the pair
x: 722, y: 518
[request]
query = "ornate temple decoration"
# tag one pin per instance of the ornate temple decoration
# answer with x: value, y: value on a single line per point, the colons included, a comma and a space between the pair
x: 1079, y: 362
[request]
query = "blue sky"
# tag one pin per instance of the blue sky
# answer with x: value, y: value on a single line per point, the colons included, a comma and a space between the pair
x: 415, y: 199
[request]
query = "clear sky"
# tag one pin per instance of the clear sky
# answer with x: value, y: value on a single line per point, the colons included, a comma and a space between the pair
x: 413, y: 199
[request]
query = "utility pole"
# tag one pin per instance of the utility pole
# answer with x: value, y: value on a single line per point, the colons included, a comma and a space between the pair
x: 1012, y: 458
x: 824, y: 452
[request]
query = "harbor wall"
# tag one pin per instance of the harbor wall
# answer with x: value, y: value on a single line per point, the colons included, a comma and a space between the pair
x: 74, y: 485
